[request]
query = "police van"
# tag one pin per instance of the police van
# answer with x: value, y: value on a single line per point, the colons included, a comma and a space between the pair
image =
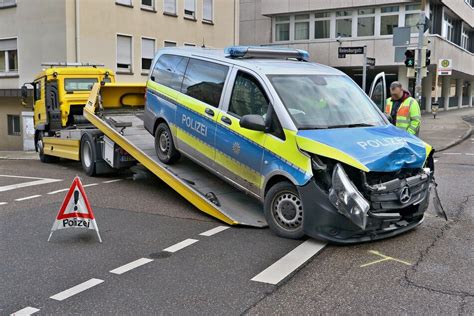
x: 301, y: 139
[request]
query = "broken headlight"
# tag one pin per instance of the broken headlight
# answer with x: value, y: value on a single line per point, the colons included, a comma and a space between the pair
x: 347, y: 199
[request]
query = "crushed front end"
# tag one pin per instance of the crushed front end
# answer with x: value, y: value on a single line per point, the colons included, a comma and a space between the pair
x: 346, y: 205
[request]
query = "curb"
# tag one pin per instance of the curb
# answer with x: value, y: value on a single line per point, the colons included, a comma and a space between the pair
x: 465, y: 136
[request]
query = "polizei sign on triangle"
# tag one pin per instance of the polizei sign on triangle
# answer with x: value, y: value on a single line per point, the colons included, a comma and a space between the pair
x: 75, y: 212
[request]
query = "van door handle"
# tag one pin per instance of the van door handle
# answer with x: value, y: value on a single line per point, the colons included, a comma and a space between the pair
x: 226, y: 120
x: 209, y: 112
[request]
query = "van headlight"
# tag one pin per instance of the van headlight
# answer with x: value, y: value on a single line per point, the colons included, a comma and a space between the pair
x: 347, y: 199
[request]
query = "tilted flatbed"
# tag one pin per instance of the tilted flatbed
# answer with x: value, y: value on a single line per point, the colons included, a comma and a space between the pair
x: 123, y: 125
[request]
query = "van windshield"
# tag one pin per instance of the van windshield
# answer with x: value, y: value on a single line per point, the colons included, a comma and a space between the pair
x: 325, y: 101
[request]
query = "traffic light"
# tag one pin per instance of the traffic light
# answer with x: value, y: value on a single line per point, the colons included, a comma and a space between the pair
x: 410, y: 58
x: 427, y: 57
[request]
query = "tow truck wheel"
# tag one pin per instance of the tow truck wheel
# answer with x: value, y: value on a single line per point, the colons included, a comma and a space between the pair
x: 88, y: 155
x: 284, y: 210
x: 164, y: 145
x: 40, y: 146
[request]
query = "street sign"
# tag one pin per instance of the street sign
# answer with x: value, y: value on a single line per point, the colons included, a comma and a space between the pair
x: 370, y: 61
x: 445, y: 67
x: 358, y: 50
x: 341, y: 55
x: 401, y: 36
x: 75, y: 212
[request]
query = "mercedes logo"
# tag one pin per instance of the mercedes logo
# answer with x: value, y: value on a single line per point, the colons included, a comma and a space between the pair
x: 405, y: 195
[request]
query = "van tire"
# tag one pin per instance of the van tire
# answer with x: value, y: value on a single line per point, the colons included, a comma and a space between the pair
x: 164, y: 145
x: 40, y: 147
x: 88, y: 155
x: 284, y: 210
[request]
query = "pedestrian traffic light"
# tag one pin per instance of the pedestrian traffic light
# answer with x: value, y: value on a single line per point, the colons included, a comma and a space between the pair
x: 427, y: 57
x: 410, y: 58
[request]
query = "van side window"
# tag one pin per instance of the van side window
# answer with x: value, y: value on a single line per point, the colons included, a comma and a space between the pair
x: 204, y: 81
x: 248, y: 97
x: 169, y: 71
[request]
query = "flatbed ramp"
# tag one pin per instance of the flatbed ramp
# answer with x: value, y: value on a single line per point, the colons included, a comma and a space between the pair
x: 190, y: 180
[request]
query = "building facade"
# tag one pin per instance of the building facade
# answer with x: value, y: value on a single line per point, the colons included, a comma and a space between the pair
x: 121, y: 34
x: 321, y: 27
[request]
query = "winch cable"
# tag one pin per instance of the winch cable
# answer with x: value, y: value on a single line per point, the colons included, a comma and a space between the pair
x: 437, y: 201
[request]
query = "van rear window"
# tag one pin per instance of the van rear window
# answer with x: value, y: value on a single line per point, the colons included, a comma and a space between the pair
x: 169, y: 71
x: 79, y: 84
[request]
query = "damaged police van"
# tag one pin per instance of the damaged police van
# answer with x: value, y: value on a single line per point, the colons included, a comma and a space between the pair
x: 300, y: 137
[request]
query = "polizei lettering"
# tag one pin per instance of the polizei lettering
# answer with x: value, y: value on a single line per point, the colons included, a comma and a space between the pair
x: 194, y: 125
x: 76, y: 222
x: 382, y: 142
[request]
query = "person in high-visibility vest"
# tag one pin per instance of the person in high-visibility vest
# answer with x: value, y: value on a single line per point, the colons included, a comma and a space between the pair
x: 403, y: 109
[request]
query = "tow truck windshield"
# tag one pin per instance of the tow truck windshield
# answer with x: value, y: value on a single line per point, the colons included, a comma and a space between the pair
x: 325, y: 101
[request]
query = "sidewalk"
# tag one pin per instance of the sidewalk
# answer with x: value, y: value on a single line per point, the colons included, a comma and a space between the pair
x: 18, y: 155
x: 447, y: 130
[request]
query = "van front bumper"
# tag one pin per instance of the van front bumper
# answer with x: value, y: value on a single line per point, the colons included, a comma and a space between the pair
x: 322, y: 220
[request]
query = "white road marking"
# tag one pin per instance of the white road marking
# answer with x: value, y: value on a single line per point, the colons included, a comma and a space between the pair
x: 25, y: 311
x: 130, y: 266
x: 452, y: 153
x: 3, y: 203
x: 469, y: 154
x: 28, y: 197
x: 278, y: 271
x: 37, y: 181
x: 112, y: 181
x: 214, y: 231
x: 436, y: 160
x: 58, y: 191
x: 76, y: 289
x: 181, y: 245
x: 90, y: 185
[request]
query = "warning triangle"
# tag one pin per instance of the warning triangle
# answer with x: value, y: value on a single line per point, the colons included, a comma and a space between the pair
x: 76, y: 203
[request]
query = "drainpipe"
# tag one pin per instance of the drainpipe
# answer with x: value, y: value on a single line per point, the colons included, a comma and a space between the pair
x: 76, y: 19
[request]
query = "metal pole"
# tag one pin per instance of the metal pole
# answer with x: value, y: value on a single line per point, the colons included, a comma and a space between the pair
x: 364, y: 70
x: 419, y: 66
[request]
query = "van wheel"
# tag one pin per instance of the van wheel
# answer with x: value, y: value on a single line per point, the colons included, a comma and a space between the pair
x: 284, y: 210
x: 164, y: 145
x: 88, y: 155
x: 44, y: 158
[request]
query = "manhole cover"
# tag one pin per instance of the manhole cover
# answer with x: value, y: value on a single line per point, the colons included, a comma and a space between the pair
x: 160, y: 255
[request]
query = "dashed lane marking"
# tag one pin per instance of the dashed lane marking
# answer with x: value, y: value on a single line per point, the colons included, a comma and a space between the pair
x: 3, y: 203
x: 384, y: 258
x: 183, y: 244
x: 469, y: 154
x: 130, y: 266
x: 76, y: 289
x: 58, y: 191
x: 452, y: 153
x: 28, y: 197
x: 112, y: 181
x: 436, y: 160
x: 25, y: 311
x: 214, y: 231
x: 37, y: 181
x: 278, y: 271
x: 89, y: 185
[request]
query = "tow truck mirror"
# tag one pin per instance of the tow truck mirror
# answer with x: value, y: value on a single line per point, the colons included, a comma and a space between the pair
x: 253, y: 122
x: 24, y: 95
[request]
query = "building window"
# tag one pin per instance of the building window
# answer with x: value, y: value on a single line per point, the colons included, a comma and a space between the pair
x: 190, y: 8
x: 388, y: 20
x: 448, y: 28
x: 8, y: 56
x: 7, y: 3
x: 169, y: 6
x: 282, y: 28
x: 322, y: 25
x: 344, y: 23
x: 169, y: 44
x: 123, y: 2
x: 465, y: 40
x: 208, y: 10
x: 148, y: 4
x: 13, y: 122
x: 148, y: 52
x: 470, y: 3
x: 124, y: 53
x: 189, y: 44
x: 366, y: 22
x: 302, y: 27
x: 412, y: 16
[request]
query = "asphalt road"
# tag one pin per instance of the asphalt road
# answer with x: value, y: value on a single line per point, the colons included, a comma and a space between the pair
x: 428, y: 270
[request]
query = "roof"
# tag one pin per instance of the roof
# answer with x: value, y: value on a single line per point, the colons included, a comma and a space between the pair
x: 74, y: 71
x: 265, y: 65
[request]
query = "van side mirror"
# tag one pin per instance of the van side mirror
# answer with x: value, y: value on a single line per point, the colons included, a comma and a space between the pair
x: 253, y: 122
x: 24, y: 95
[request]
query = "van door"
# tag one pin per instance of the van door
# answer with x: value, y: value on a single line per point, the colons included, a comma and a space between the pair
x: 378, y: 91
x: 197, y: 110
x: 239, y: 151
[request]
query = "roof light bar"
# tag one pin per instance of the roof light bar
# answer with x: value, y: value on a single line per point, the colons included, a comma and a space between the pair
x: 266, y: 52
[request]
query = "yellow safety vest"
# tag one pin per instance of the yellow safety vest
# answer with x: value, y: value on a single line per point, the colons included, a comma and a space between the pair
x: 408, y: 115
